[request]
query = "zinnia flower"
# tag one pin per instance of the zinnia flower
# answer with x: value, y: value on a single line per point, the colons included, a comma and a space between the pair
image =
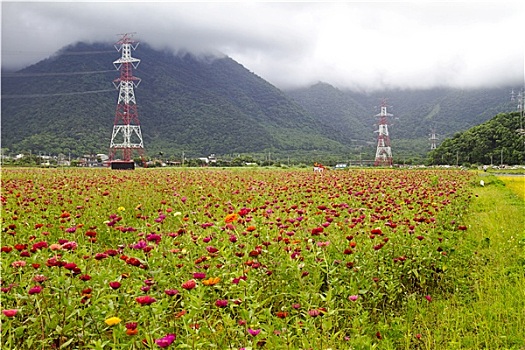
x: 221, y: 303
x: 10, y: 313
x: 145, y: 300
x: 199, y: 275
x: 189, y: 285
x: 281, y: 314
x: 112, y: 321
x: 115, y: 284
x: 171, y: 292
x: 35, y: 290
x: 211, y: 281
x: 165, y: 341
x: 313, y: 312
x: 254, y: 332
x: 131, y: 328
x: 230, y: 218
x: 18, y: 263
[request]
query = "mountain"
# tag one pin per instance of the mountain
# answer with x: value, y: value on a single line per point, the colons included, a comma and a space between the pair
x: 500, y: 140
x: 196, y: 105
x: 211, y: 104
x: 417, y: 113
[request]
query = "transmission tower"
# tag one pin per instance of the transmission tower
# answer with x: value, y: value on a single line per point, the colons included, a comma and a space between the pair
x: 383, y: 151
x: 520, y: 98
x: 126, y: 135
x: 433, y: 139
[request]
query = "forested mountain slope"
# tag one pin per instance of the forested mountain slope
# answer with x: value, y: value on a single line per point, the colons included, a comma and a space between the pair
x: 203, y: 105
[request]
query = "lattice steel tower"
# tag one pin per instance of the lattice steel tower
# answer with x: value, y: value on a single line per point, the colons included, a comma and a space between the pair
x: 383, y: 151
x: 126, y: 135
x: 433, y: 139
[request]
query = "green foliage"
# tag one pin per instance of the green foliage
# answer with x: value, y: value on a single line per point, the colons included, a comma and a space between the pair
x: 493, y: 142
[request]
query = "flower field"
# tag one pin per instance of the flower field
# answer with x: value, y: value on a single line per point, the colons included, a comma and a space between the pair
x: 205, y: 258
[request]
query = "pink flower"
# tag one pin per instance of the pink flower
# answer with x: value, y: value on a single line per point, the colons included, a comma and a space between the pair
x: 254, y: 332
x: 39, y: 278
x: 353, y: 297
x: 71, y: 229
x: 165, y: 341
x: 10, y: 313
x: 55, y: 246
x: 428, y: 297
x: 69, y: 245
x: 313, y: 312
x: 18, y: 263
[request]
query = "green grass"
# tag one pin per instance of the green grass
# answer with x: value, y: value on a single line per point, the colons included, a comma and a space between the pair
x: 488, y: 312
x: 515, y: 183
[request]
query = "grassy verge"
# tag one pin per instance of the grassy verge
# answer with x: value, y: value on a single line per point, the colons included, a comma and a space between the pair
x: 487, y: 311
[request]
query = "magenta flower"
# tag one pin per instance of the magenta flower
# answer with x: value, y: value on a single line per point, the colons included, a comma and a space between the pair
x: 71, y: 229
x: 35, y: 290
x: 140, y: 245
x: 171, y: 292
x: 154, y: 238
x: 221, y: 303
x: 166, y: 341
x: 199, y: 275
x: 254, y: 332
x: 428, y: 297
x: 353, y: 297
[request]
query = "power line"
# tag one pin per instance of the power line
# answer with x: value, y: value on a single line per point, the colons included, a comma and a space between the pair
x: 57, y: 94
x: 23, y: 75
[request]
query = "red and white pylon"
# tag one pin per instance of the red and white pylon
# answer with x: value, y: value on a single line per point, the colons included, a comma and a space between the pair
x: 383, y: 151
x: 126, y: 135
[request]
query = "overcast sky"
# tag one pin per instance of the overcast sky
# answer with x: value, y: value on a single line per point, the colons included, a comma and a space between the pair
x: 357, y: 45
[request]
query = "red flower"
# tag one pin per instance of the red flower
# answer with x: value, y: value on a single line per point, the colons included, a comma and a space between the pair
x: 35, y: 290
x: 145, y: 300
x: 10, y: 313
x: 281, y: 314
x: 115, y: 284
x: 189, y: 285
x: 221, y: 303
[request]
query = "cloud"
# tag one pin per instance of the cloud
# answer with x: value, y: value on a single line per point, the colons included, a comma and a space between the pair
x: 357, y: 45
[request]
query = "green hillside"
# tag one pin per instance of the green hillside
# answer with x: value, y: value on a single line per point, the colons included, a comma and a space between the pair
x: 199, y: 105
x: 501, y: 140
x: 416, y: 113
